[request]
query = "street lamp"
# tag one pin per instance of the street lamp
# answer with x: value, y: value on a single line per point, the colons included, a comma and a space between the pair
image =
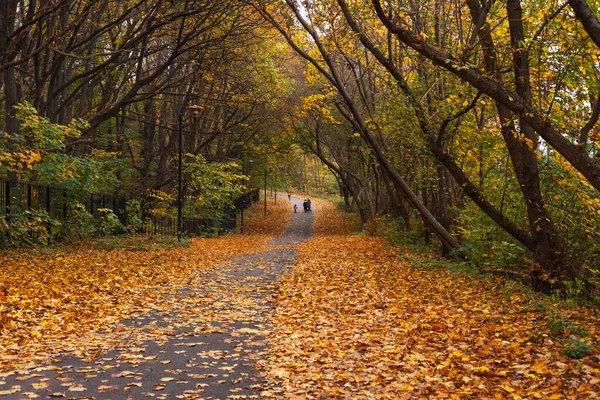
x: 196, y: 109
x: 180, y: 175
x: 265, y: 190
x: 244, y: 197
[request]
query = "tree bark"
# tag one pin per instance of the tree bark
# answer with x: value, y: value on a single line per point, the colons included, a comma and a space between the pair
x: 8, y: 9
x: 588, y: 167
x: 548, y: 244
x: 588, y: 19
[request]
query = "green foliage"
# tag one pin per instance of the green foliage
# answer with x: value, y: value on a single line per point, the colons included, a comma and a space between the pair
x: 79, y: 224
x: 107, y: 223
x: 390, y: 229
x: 213, y: 186
x: 576, y: 207
x: 37, y: 151
x: 486, y: 243
x: 29, y: 228
x: 162, y: 204
x: 560, y: 327
x: 557, y: 325
x: 80, y: 174
x: 577, y: 348
x: 37, y: 140
x: 43, y: 134
x: 134, y: 220
x: 394, y: 231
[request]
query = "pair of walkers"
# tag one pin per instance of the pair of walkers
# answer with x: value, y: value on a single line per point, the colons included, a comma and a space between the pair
x: 305, y: 204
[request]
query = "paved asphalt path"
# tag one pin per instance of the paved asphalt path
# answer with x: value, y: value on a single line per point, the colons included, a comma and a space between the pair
x: 208, y: 347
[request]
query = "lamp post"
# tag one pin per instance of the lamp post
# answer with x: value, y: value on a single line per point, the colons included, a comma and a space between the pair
x: 244, y: 197
x: 265, y: 190
x: 196, y: 109
x: 180, y: 176
x: 243, y: 202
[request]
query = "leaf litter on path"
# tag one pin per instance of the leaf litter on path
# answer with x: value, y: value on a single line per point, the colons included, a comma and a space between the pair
x: 104, y: 308
x: 354, y: 320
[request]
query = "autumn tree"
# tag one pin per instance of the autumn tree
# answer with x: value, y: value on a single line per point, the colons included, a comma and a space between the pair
x: 450, y: 108
x: 138, y: 72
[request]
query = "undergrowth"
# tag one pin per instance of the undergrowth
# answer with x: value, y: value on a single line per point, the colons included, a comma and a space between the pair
x: 555, y: 324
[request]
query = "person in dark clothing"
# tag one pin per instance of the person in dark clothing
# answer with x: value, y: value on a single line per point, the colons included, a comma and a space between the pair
x: 308, y: 205
x: 305, y: 205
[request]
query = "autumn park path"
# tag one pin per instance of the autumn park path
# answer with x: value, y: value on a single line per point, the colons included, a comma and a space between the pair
x: 319, y: 312
x: 208, y: 347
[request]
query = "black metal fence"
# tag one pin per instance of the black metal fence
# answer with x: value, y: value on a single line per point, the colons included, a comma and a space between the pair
x: 166, y: 225
x: 247, y: 199
x: 158, y: 225
x: 17, y: 197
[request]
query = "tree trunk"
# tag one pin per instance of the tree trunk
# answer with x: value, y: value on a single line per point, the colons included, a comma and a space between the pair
x: 8, y: 9
x: 549, y: 247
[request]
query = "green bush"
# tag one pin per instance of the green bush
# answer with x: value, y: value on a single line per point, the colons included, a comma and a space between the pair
x: 134, y: 220
x: 79, y: 224
x: 107, y: 223
x: 29, y: 228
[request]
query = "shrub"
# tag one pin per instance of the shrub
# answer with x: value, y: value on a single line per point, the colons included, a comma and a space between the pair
x: 134, y: 220
x: 79, y: 224
x: 29, y: 228
x: 557, y: 325
x: 107, y: 223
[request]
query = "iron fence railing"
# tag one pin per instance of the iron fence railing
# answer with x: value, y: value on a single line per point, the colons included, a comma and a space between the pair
x: 166, y: 225
x: 17, y: 197
x: 247, y: 199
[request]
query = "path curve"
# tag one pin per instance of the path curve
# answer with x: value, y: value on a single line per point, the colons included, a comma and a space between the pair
x: 208, y: 348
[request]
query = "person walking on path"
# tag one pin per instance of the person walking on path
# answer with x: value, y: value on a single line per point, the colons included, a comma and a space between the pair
x: 295, y: 208
x: 305, y: 205
x: 308, y: 205
x: 289, y: 195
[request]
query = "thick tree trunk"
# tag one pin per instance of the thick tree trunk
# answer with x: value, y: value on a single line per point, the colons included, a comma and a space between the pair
x: 8, y: 10
x: 587, y: 18
x: 443, y: 196
x: 549, y: 248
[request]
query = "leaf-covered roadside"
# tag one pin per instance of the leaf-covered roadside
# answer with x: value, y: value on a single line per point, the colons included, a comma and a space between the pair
x: 71, y: 299
x: 355, y: 320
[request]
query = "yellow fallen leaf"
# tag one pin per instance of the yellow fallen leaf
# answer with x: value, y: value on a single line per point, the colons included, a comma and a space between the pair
x: 507, y: 388
x: 540, y: 368
x: 24, y: 378
x: 12, y: 390
x: 40, y: 385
